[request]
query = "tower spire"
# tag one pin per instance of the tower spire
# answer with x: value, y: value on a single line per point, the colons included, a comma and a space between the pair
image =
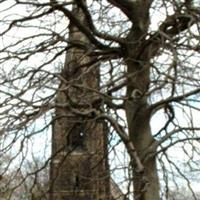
x: 79, y: 168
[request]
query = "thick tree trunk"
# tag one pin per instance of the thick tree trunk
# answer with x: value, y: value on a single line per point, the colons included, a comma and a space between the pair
x: 146, y: 184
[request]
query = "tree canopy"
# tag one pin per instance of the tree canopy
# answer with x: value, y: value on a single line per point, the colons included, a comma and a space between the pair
x: 147, y: 55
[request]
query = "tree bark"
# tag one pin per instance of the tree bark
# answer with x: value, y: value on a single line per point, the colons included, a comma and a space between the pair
x: 146, y: 184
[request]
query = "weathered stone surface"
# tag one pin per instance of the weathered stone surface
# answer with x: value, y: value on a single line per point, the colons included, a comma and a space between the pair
x: 79, y: 167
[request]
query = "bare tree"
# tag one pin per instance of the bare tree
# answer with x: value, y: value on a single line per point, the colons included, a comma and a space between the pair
x: 146, y: 57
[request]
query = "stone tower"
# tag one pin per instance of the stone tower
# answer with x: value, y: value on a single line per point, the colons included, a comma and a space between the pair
x: 79, y: 168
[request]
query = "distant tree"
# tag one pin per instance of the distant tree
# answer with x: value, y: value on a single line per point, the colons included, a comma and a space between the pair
x: 25, y: 183
x: 147, y: 52
x: 182, y: 194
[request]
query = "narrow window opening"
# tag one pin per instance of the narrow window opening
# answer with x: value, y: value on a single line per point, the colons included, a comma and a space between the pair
x: 76, y: 138
x: 76, y: 182
x: 78, y: 141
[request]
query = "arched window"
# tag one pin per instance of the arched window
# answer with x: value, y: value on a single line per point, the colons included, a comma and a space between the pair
x: 76, y: 138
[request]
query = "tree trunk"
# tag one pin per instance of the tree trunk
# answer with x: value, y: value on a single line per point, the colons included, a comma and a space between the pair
x: 146, y: 184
